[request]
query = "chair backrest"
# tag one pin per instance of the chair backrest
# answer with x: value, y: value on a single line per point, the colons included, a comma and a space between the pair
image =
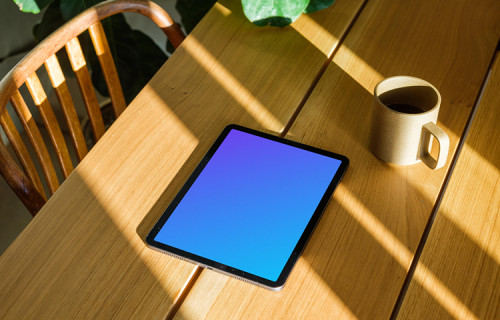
x: 27, y: 183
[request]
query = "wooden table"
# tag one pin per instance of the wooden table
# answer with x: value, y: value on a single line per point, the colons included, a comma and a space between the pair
x: 83, y: 256
x: 458, y: 274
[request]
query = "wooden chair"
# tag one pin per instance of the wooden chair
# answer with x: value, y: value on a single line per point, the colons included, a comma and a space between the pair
x: 26, y: 183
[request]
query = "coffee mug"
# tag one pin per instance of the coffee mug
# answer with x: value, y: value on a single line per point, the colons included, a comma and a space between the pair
x: 404, y: 118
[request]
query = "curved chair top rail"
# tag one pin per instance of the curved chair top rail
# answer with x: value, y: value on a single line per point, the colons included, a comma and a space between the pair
x: 53, y: 43
x: 27, y: 184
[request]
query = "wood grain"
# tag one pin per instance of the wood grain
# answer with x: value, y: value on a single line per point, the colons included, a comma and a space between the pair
x: 58, y: 39
x: 21, y: 151
x: 36, y: 140
x: 79, y: 66
x: 66, y: 103
x: 83, y: 256
x: 49, y: 119
x: 357, y: 259
x: 44, y: 53
x: 458, y: 274
x: 108, y: 67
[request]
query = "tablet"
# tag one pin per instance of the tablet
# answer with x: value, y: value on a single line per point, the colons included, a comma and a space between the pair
x: 250, y: 206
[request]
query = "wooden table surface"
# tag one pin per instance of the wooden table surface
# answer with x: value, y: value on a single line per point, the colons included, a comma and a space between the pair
x: 84, y: 256
x: 458, y: 275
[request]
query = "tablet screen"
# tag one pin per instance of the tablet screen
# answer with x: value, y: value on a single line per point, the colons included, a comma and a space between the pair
x: 247, y: 205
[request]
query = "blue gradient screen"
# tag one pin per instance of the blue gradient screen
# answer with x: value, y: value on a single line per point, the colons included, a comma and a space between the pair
x: 250, y: 205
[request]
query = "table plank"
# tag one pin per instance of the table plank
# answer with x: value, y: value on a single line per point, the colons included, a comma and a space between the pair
x: 458, y: 274
x: 83, y: 256
x: 357, y: 259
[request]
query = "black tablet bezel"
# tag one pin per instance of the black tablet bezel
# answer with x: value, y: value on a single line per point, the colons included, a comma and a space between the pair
x: 233, y: 272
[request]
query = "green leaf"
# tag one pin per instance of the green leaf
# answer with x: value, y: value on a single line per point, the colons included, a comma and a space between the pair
x: 51, y: 20
x: 58, y: 13
x: 192, y: 11
x: 136, y: 56
x: 273, y: 12
x: 315, y: 5
x: 274, y: 21
x: 71, y: 8
x: 32, y: 6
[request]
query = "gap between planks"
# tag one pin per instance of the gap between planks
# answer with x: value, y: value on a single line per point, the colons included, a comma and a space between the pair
x: 179, y: 299
x: 435, y: 209
x: 322, y: 70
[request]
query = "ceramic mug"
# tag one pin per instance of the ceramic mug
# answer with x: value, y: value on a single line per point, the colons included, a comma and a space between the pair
x: 404, y: 118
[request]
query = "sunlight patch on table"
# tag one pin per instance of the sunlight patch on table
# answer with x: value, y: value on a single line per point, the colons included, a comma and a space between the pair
x: 357, y: 68
x: 232, y: 86
x: 373, y: 226
x: 486, y: 237
x: 316, y: 34
x: 222, y: 9
x: 331, y: 304
x: 431, y: 283
x: 139, y: 177
x: 202, y: 296
x: 401, y: 254
x: 489, y: 174
x: 428, y: 188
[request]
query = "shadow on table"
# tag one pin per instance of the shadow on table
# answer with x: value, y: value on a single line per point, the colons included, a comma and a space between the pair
x: 390, y: 233
x: 103, y: 266
x: 438, y: 58
x: 454, y: 290
x: 385, y: 230
x: 356, y: 235
x: 242, y: 87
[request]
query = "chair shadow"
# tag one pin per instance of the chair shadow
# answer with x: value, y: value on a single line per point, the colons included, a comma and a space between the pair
x: 188, y: 102
x: 100, y: 266
x: 359, y: 246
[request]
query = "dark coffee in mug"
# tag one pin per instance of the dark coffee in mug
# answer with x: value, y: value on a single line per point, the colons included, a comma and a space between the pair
x: 404, y: 117
x: 405, y: 108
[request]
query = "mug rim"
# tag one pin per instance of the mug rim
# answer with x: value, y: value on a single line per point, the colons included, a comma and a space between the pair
x: 420, y: 81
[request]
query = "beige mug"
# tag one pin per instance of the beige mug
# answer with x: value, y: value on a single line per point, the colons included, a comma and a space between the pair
x: 404, y: 119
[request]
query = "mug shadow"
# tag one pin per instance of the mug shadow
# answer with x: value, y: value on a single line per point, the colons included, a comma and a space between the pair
x: 385, y: 228
x: 396, y: 215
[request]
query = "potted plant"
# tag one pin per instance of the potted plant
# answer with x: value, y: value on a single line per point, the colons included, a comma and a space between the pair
x: 278, y: 13
x: 137, y: 57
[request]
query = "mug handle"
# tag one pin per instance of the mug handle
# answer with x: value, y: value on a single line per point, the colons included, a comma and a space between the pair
x: 444, y: 143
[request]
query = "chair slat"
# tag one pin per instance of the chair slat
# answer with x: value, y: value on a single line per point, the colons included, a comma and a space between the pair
x: 79, y: 66
x: 108, y: 67
x: 66, y: 102
x: 26, y: 182
x: 40, y: 98
x: 36, y: 140
x: 21, y: 151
